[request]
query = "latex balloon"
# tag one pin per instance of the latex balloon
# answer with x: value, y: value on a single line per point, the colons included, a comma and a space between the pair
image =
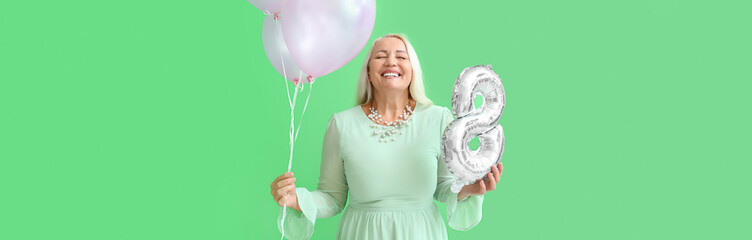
x: 465, y: 164
x: 324, y: 35
x: 277, y: 53
x: 269, y: 7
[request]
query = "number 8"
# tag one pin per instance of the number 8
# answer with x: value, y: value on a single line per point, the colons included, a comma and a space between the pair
x: 465, y: 164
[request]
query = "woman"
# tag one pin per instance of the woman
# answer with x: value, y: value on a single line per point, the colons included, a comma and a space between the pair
x: 385, y: 153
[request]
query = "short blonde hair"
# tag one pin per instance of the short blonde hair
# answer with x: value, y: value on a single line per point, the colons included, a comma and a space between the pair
x: 364, y: 93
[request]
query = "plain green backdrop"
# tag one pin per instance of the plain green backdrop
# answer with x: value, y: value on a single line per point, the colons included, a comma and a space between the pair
x: 164, y: 119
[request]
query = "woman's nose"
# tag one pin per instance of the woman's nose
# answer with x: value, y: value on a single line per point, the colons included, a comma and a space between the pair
x: 390, y: 62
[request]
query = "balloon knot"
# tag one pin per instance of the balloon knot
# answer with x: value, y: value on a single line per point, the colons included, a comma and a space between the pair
x: 310, y: 79
x: 276, y: 16
x: 295, y: 81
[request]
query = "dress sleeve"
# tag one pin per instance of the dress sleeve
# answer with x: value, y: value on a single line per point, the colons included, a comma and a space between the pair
x: 462, y: 215
x: 330, y: 197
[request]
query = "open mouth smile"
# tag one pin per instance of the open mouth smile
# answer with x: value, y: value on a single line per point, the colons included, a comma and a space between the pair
x: 389, y: 74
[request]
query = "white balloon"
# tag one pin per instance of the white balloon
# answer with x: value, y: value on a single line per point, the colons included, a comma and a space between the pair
x: 277, y: 52
x: 269, y: 7
x: 465, y: 164
x: 324, y: 35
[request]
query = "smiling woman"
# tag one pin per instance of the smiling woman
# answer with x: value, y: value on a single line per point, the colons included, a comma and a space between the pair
x: 414, y: 73
x: 385, y: 153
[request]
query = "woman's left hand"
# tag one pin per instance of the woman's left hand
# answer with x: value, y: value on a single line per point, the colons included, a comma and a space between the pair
x: 481, y: 187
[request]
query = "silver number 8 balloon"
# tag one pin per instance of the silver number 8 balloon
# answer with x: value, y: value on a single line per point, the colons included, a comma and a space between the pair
x: 465, y: 164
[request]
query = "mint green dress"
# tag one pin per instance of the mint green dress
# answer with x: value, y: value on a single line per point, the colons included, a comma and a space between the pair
x: 392, y: 186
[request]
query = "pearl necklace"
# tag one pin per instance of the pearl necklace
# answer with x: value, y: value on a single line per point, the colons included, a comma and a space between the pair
x: 388, y: 129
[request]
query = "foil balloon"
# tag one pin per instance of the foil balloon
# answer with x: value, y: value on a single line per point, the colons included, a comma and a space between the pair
x: 277, y: 52
x: 465, y: 164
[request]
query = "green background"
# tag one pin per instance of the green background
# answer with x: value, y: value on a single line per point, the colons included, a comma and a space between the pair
x: 164, y: 119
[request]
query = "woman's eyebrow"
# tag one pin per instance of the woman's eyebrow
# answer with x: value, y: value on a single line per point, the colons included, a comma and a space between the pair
x: 384, y: 51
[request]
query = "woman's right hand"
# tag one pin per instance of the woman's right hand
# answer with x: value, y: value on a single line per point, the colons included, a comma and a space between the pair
x: 283, y: 191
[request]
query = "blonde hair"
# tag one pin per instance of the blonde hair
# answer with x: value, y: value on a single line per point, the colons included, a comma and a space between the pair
x: 364, y: 93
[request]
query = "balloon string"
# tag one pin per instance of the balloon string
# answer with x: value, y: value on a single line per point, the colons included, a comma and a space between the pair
x: 292, y: 147
x: 294, y: 137
x: 292, y: 110
x: 310, y: 90
x: 288, y: 93
x: 292, y: 132
x: 292, y: 126
x: 284, y: 212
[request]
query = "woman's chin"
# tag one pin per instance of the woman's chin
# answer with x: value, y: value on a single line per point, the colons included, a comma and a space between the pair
x: 392, y: 81
x: 393, y: 88
x: 391, y: 84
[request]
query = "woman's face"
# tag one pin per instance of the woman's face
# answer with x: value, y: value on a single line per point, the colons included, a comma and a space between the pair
x: 389, y: 67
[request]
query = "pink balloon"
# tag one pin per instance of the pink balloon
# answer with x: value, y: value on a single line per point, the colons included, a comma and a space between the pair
x: 324, y: 35
x: 268, y: 6
x: 277, y: 53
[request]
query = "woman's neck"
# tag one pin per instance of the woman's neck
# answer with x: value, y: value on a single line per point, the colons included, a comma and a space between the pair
x: 390, y: 106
